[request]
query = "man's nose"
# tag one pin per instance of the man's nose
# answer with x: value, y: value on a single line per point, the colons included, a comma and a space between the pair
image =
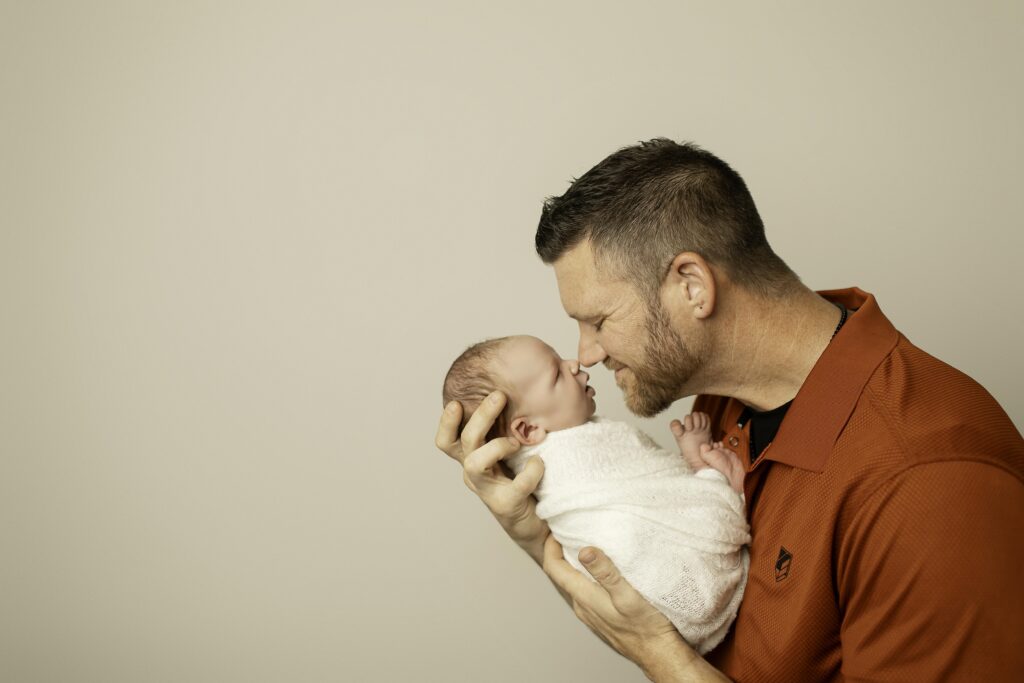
x: 590, y: 352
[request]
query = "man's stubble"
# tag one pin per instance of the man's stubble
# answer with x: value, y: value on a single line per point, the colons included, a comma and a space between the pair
x: 669, y: 365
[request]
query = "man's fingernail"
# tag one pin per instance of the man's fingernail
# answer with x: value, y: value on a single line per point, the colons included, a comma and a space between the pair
x: 495, y: 397
x: 587, y: 555
x: 450, y: 407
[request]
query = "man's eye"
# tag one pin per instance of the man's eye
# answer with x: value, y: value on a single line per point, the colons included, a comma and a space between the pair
x: 597, y: 327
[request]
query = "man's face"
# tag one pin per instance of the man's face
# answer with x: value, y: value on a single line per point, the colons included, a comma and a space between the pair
x: 652, y: 363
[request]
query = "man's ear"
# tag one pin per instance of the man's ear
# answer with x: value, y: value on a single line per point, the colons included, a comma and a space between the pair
x: 692, y: 282
x: 527, y: 433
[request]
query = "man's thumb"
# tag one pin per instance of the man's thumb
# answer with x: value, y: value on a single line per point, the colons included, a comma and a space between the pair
x: 606, y: 574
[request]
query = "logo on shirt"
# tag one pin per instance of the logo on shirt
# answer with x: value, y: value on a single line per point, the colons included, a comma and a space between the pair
x: 782, y: 564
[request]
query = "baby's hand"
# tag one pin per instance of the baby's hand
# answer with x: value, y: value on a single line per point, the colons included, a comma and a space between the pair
x: 694, y: 430
x: 725, y: 461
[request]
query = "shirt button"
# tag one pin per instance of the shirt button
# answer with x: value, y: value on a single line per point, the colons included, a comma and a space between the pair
x: 733, y: 441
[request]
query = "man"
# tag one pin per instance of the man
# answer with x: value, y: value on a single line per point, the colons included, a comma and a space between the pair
x: 885, y: 489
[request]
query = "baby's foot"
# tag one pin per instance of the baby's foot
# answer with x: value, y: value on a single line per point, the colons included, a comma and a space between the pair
x: 694, y: 430
x: 725, y: 461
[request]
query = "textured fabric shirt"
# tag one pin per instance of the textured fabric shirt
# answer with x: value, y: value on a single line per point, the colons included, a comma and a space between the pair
x: 887, y: 517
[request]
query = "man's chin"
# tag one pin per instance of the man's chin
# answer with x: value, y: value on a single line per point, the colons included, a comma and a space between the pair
x: 646, y: 404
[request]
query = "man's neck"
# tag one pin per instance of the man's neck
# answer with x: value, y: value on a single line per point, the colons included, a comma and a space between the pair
x: 765, y: 350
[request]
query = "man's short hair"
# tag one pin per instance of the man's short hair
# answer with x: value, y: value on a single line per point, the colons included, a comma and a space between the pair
x: 644, y: 204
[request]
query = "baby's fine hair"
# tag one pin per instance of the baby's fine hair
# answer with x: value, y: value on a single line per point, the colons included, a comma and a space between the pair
x: 472, y: 377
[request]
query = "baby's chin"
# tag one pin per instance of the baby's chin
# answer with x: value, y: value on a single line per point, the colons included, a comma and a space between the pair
x: 588, y: 411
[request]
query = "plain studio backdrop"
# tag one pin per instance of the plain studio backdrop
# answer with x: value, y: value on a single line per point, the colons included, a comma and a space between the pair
x: 242, y: 242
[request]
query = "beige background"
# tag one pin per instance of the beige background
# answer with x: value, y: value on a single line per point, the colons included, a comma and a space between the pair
x: 241, y: 242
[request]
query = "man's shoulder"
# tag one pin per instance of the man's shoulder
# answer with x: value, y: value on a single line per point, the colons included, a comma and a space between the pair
x: 936, y: 413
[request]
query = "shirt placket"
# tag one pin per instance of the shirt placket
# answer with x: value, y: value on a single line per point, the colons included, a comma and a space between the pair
x: 737, y: 439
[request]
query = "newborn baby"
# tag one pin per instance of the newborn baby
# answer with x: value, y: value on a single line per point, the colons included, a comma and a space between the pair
x: 676, y: 533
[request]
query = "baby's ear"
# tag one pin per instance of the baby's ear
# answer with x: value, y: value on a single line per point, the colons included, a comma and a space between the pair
x: 527, y: 433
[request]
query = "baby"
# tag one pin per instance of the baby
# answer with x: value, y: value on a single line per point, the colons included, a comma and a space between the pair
x: 676, y: 533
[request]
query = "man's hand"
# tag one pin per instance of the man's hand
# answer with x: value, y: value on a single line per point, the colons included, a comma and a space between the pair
x: 611, y: 608
x: 509, y: 500
x: 620, y: 616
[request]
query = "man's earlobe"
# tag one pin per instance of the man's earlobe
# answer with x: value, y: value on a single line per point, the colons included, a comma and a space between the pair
x: 691, y: 272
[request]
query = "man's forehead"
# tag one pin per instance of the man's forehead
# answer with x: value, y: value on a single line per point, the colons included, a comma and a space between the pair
x: 579, y: 285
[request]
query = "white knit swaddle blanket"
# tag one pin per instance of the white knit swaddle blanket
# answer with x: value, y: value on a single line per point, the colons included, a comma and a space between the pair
x: 676, y: 536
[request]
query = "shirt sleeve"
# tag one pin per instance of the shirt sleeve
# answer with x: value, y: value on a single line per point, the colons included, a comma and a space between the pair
x: 930, y: 577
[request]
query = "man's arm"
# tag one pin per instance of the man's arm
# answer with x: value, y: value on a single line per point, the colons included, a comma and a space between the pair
x: 930, y: 577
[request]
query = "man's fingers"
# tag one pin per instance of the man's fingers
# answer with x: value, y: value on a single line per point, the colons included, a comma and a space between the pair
x: 561, y: 572
x: 448, y: 431
x: 623, y: 595
x: 527, y: 480
x: 480, y: 463
x: 481, y: 421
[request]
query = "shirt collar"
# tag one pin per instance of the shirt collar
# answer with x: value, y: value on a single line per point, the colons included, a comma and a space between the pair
x: 825, y: 401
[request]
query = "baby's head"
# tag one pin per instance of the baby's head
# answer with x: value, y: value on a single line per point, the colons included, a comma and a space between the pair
x: 545, y: 392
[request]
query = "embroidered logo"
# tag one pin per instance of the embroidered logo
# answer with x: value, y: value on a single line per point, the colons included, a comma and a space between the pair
x: 782, y: 564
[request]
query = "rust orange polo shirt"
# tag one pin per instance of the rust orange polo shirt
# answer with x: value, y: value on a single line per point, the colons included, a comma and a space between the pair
x: 887, y: 521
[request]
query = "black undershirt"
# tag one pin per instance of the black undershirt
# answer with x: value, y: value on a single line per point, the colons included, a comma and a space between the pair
x: 765, y: 425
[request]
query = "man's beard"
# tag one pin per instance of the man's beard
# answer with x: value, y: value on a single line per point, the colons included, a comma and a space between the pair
x: 668, y: 365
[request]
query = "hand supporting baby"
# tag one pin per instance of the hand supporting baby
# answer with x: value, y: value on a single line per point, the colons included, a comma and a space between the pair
x: 508, y: 499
